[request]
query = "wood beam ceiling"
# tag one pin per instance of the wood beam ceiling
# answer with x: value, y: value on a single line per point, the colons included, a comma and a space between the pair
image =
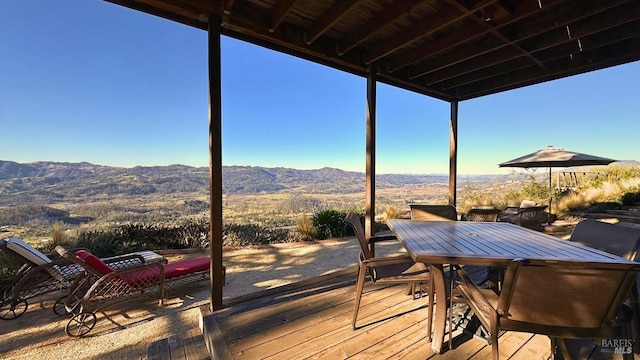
x: 449, y: 49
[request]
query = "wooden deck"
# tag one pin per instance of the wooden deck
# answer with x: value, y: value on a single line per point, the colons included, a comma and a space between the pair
x: 313, y: 320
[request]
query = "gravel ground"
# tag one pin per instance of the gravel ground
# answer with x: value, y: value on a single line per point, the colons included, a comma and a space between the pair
x: 127, y: 331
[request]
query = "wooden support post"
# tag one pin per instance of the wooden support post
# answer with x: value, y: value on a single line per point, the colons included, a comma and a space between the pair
x: 370, y: 174
x: 453, y: 153
x: 215, y: 162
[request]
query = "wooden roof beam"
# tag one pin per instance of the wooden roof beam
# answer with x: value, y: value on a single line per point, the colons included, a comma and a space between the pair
x: 490, y: 29
x: 280, y: 12
x: 444, y: 18
x: 536, y: 27
x: 228, y: 6
x: 183, y: 14
x: 328, y: 19
x: 586, y: 43
x: 466, y: 34
x: 387, y: 16
x: 555, y: 37
x: 619, y: 52
x: 253, y: 27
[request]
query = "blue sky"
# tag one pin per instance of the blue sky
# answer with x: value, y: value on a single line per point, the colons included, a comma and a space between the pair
x: 86, y: 80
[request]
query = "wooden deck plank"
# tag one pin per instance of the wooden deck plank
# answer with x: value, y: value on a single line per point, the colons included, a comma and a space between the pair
x: 247, y: 325
x: 538, y: 347
x: 344, y: 342
x: 315, y: 322
x: 176, y: 347
x: 194, y: 346
x: 322, y: 332
x: 159, y: 350
x: 508, y: 344
x: 237, y: 317
x: 387, y: 347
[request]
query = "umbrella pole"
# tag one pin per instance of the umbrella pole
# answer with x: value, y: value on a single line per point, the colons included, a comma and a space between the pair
x: 549, y: 213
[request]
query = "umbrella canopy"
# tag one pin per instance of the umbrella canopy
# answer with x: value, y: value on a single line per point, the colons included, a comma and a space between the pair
x: 555, y: 157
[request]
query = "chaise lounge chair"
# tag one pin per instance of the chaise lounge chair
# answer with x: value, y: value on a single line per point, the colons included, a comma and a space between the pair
x: 40, y: 274
x: 105, y: 286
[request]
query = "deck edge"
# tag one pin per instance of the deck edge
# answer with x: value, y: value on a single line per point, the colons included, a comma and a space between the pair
x: 216, y: 345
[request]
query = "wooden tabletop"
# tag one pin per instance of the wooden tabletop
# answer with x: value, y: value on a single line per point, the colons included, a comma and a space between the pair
x: 488, y: 244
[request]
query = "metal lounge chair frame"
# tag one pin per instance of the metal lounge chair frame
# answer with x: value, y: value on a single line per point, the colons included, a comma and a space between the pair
x: 40, y: 274
x: 105, y: 287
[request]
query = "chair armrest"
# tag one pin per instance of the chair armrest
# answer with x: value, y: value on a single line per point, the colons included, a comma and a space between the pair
x: 402, y: 259
x: 125, y: 261
x: 379, y: 238
x: 472, y: 293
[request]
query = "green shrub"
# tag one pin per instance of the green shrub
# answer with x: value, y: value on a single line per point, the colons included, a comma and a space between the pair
x: 329, y: 223
x: 8, y: 269
x: 631, y: 198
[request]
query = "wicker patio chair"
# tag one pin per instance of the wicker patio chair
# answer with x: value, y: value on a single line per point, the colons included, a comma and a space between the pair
x: 483, y: 214
x: 105, y: 287
x: 386, y: 270
x: 40, y: 274
x: 426, y: 212
x: 528, y: 214
x: 555, y: 299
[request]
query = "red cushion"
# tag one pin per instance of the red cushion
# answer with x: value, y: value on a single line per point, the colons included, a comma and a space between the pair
x: 143, y: 277
x: 94, y: 262
x: 184, y: 267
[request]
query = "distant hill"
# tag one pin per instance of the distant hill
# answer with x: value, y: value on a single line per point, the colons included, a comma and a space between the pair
x: 49, y: 182
x: 56, y: 182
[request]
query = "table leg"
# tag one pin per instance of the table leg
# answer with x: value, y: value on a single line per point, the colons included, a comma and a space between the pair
x: 441, y: 308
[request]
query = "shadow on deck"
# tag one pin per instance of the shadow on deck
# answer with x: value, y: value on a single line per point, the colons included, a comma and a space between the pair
x: 312, y: 319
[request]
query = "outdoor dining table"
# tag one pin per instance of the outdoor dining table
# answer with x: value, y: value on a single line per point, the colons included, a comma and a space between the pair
x: 484, y: 244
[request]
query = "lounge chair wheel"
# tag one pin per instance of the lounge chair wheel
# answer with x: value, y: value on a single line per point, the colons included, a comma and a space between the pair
x: 65, y: 306
x: 80, y: 324
x: 10, y: 310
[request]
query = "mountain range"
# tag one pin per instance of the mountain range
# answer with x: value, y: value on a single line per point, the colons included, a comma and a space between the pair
x: 47, y: 182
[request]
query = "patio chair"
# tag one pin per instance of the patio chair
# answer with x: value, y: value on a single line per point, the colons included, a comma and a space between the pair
x: 620, y: 240
x: 40, y: 274
x: 555, y: 299
x: 483, y: 214
x: 387, y: 270
x: 105, y: 286
x: 529, y: 214
x: 426, y: 212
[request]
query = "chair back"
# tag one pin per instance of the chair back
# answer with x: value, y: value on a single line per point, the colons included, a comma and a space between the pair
x: 25, y: 252
x: 482, y: 214
x: 556, y: 298
x: 353, y: 220
x: 620, y: 240
x: 433, y: 212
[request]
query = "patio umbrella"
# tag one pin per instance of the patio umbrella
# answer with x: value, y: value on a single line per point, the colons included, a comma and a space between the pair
x: 555, y: 157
